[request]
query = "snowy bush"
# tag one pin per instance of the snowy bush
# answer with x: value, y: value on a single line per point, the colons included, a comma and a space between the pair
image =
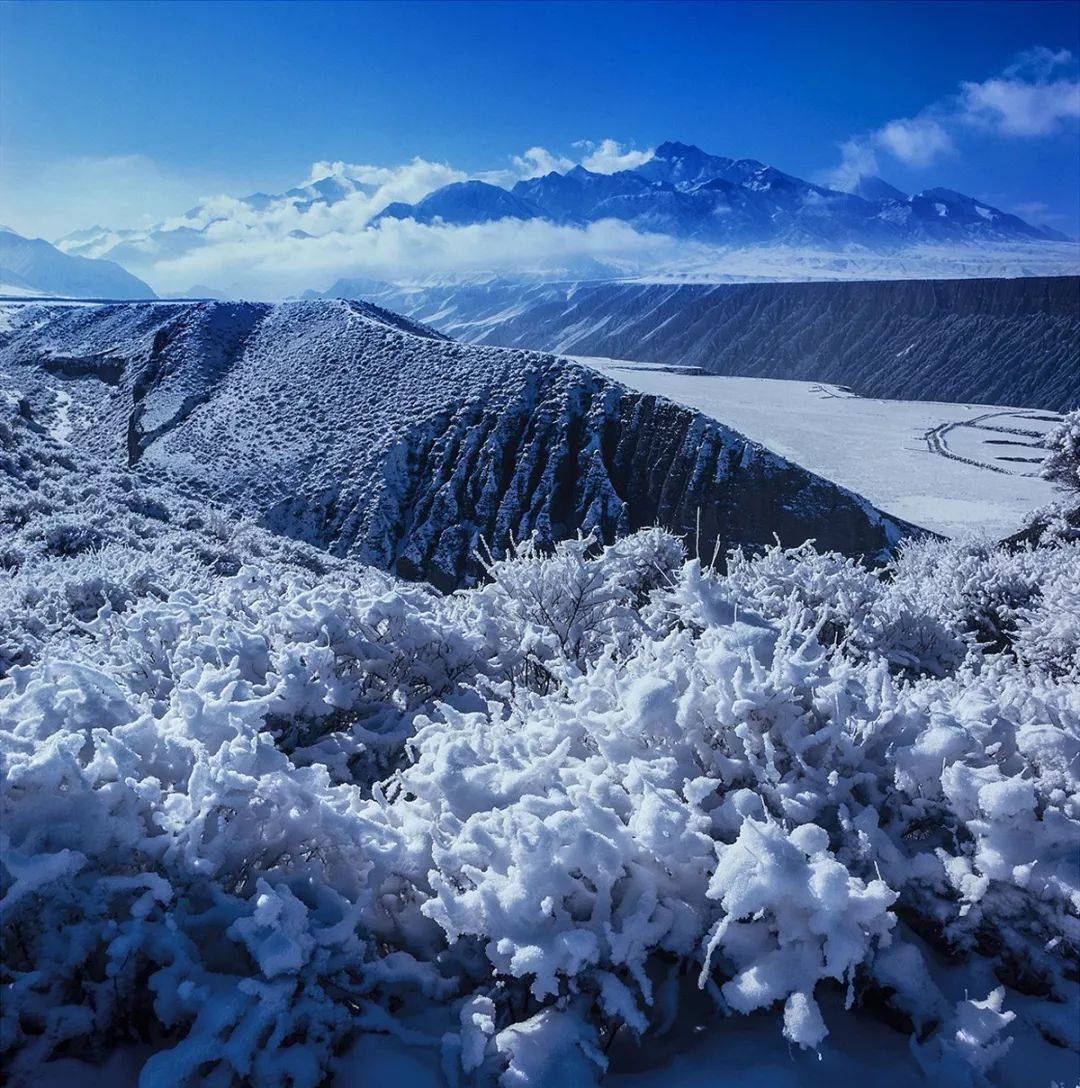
x: 257, y: 803
x: 1062, y: 462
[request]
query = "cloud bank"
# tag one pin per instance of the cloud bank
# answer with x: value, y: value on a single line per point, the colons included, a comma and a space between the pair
x: 319, y: 231
x: 261, y: 263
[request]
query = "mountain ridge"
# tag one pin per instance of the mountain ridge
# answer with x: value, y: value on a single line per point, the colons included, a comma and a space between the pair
x: 681, y: 191
x: 689, y: 193
x: 32, y: 264
x: 996, y: 341
x: 372, y: 437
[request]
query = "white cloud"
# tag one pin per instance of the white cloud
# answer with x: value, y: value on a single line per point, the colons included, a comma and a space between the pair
x: 609, y: 156
x: 221, y: 215
x: 283, y: 244
x: 858, y: 159
x: 1038, y: 63
x: 917, y: 141
x: 537, y: 161
x: 603, y: 157
x: 914, y: 141
x: 411, y: 181
x: 263, y: 263
x: 1032, y: 97
x: 1014, y: 108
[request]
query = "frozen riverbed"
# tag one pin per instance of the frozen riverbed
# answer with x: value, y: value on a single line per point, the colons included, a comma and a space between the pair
x: 957, y: 469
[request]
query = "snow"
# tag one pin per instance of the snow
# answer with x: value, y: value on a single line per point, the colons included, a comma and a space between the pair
x: 352, y: 428
x: 934, y: 464
x: 61, y: 429
x: 16, y: 290
x: 784, y: 263
x: 610, y: 817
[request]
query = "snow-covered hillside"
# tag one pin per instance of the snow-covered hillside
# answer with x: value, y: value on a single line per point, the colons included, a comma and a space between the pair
x: 270, y: 818
x: 1010, y: 342
x: 353, y: 429
x: 31, y: 266
x: 956, y: 469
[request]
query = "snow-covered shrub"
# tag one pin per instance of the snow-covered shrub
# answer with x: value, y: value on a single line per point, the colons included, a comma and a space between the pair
x: 1062, y: 462
x: 1048, y: 631
x: 256, y: 802
x: 976, y: 590
x: 849, y: 605
x: 553, y: 614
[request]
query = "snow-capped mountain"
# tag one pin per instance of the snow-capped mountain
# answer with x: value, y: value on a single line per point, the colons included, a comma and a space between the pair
x: 686, y: 192
x: 33, y: 266
x: 361, y: 432
x: 178, y: 236
x: 680, y: 208
x: 463, y: 203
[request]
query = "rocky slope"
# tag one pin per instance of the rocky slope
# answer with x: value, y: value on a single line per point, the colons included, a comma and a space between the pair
x: 345, y: 426
x: 1006, y: 341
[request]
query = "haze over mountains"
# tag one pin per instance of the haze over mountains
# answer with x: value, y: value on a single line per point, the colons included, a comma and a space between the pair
x: 682, y: 213
x: 31, y: 266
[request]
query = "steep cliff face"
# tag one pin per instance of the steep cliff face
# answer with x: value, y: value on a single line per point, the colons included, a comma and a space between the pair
x: 347, y: 427
x: 1006, y: 341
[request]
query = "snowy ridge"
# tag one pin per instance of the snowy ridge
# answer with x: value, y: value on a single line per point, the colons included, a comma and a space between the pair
x: 688, y: 193
x: 1012, y: 342
x: 362, y: 433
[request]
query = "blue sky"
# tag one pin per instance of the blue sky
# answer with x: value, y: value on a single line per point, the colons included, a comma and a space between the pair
x: 187, y: 99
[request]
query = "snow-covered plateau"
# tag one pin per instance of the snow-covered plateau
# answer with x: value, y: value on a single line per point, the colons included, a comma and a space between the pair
x: 593, y: 811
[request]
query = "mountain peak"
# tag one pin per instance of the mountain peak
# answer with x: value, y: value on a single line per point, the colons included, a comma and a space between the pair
x: 950, y: 195
x: 462, y: 203
x: 672, y: 149
x: 871, y: 187
x: 37, y: 264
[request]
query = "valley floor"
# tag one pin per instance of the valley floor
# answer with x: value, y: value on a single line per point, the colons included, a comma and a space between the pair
x: 961, y: 470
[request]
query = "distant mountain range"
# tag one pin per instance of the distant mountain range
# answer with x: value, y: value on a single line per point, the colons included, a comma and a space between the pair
x: 681, y: 191
x: 31, y: 266
x: 688, y: 193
